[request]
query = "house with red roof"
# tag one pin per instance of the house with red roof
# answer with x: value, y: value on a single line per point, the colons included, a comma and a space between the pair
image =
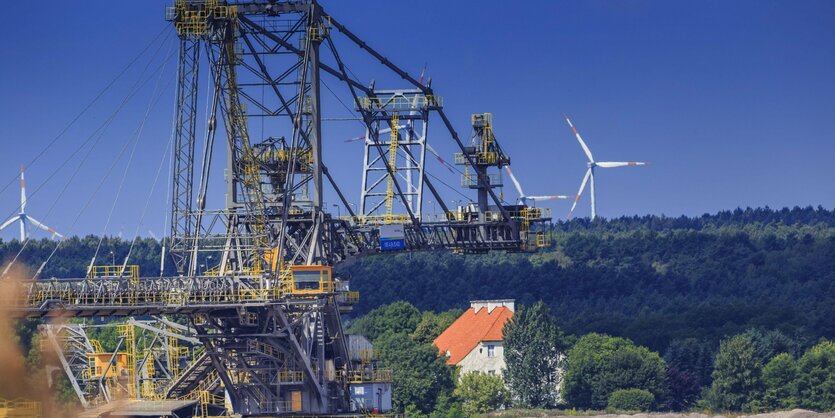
x: 474, y: 342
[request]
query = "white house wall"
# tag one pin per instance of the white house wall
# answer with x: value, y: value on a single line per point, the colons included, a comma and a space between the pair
x: 478, y: 360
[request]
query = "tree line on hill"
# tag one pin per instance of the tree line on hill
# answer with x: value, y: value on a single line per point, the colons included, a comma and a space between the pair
x: 654, y: 280
x: 754, y: 371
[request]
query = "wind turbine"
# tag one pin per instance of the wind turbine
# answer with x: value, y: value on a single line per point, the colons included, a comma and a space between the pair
x: 590, y: 171
x: 524, y: 198
x: 23, y: 218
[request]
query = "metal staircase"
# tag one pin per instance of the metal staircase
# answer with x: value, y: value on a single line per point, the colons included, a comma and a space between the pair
x: 196, y: 375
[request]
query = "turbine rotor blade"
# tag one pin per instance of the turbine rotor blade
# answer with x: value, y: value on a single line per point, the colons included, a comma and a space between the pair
x: 554, y: 197
x: 22, y: 191
x: 515, y: 182
x: 440, y: 159
x: 9, y: 222
x: 44, y: 227
x: 579, y: 139
x: 612, y: 164
x: 580, y: 193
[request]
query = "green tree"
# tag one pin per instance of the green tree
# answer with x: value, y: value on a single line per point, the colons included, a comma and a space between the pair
x: 693, y: 356
x: 534, y: 347
x: 431, y: 325
x: 769, y: 343
x: 481, y: 392
x: 816, y: 377
x: 780, y: 379
x: 599, y: 364
x: 736, y: 376
x: 631, y: 400
x: 397, y: 317
x: 420, y: 375
x: 681, y: 390
x: 447, y: 406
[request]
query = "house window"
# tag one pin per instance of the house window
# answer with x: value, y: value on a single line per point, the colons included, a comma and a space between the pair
x: 491, y: 372
x: 491, y: 350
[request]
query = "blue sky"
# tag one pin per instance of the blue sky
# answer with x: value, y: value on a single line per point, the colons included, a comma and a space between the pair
x: 732, y: 101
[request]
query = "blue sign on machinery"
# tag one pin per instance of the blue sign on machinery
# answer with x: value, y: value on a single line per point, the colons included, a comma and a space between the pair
x: 392, y: 238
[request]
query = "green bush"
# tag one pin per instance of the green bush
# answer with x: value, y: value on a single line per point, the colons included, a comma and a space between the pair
x: 598, y: 365
x: 631, y: 400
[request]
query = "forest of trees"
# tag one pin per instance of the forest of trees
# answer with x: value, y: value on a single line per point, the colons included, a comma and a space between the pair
x: 755, y: 371
x: 657, y: 281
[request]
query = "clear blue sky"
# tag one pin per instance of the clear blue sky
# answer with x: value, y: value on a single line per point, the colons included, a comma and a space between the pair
x: 733, y: 101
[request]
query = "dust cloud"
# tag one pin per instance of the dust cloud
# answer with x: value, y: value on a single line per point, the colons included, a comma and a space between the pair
x: 17, y: 379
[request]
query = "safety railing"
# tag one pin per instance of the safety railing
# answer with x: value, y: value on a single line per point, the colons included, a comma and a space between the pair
x: 382, y: 219
x: 350, y: 297
x: 531, y: 213
x: 117, y: 292
x: 367, y: 375
x: 21, y: 408
x: 398, y: 102
x: 131, y: 271
x: 289, y: 376
x: 467, y: 180
x: 486, y: 157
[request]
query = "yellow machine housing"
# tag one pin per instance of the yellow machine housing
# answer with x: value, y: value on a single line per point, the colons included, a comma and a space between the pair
x: 312, y: 279
x: 98, y: 362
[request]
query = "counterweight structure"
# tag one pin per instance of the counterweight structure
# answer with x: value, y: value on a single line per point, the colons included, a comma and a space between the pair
x: 266, y: 314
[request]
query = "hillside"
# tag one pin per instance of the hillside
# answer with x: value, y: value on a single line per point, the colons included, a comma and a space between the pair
x: 651, y: 279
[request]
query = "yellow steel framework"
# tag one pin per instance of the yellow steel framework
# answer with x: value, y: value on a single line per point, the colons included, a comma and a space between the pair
x: 128, y: 331
x: 320, y: 30
x: 148, y: 388
x: 394, y: 144
x: 192, y: 17
x: 174, y: 353
x: 251, y: 178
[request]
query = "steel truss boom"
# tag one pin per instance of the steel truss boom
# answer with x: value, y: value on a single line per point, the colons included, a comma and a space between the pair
x: 266, y: 310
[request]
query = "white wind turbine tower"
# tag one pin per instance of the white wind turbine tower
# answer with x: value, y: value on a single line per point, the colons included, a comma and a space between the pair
x: 524, y: 198
x: 592, y: 164
x: 23, y: 218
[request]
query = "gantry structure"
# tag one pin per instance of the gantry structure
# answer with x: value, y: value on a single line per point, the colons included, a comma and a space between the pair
x: 266, y: 315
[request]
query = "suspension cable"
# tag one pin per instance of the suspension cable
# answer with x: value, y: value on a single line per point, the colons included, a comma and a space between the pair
x: 152, y: 102
x: 97, y: 134
x: 88, y: 106
x: 99, y: 130
x: 166, y: 152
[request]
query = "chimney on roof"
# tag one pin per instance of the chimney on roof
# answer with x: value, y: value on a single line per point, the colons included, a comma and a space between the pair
x: 493, y: 304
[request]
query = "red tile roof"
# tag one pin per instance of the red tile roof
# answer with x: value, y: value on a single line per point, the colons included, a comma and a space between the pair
x: 471, y: 328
